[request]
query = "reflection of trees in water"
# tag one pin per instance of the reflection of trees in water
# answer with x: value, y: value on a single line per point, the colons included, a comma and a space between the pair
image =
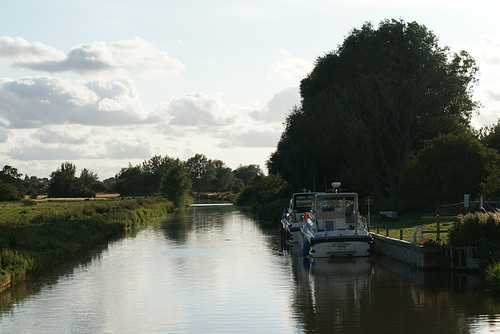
x: 371, y: 295
x: 180, y: 225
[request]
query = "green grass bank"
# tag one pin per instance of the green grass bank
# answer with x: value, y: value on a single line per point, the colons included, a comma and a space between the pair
x: 36, y: 235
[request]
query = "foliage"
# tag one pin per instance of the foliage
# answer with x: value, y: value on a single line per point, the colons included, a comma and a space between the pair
x: 224, y: 177
x: 449, y: 166
x: 481, y: 230
x: 143, y: 179
x: 8, y: 192
x: 205, y: 175
x: 201, y: 171
x: 492, y: 276
x: 490, y: 136
x: 266, y: 197
x: 248, y: 173
x: 13, y: 266
x: 175, y: 184
x: 370, y: 103
x: 428, y: 242
x: 64, y: 183
x: 10, y: 175
x: 130, y: 181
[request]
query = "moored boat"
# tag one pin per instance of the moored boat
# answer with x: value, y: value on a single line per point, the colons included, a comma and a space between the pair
x: 334, y: 227
x: 293, y: 216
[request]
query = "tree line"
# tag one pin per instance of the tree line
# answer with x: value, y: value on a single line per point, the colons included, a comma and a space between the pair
x: 388, y: 113
x: 168, y: 176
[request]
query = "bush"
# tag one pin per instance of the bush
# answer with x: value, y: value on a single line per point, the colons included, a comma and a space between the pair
x: 492, y: 276
x: 8, y: 192
x: 28, y: 202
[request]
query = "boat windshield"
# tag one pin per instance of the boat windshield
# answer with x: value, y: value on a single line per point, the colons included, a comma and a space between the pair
x: 303, y: 203
x: 330, y: 203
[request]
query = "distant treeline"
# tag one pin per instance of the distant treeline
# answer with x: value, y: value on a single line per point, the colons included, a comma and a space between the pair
x: 159, y: 175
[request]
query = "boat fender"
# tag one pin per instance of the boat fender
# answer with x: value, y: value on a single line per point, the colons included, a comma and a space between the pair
x: 306, y: 248
x: 306, y: 216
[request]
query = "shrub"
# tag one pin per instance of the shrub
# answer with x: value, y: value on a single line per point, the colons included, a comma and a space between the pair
x: 492, y: 276
x: 28, y: 202
x: 8, y: 192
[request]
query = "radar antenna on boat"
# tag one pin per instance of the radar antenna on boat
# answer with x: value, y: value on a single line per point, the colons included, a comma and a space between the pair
x: 336, y: 186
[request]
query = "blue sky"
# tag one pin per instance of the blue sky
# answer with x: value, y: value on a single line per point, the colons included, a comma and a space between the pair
x: 106, y: 83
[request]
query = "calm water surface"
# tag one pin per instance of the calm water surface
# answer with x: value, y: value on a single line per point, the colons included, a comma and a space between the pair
x: 217, y: 270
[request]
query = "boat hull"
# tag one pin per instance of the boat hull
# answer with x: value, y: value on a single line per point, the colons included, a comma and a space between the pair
x: 336, y: 245
x: 293, y: 233
x: 340, y: 247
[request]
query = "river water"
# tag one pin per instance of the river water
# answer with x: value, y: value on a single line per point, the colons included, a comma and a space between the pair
x: 216, y: 269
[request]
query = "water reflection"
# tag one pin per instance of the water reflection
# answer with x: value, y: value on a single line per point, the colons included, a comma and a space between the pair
x: 379, y: 295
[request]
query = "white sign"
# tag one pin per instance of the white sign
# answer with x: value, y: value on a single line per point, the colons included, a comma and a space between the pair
x: 466, y: 201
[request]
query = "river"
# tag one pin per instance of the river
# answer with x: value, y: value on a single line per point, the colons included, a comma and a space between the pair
x: 216, y: 269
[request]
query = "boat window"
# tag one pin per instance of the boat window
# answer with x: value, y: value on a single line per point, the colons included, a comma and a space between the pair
x: 303, y: 203
x: 349, y: 205
x: 327, y: 204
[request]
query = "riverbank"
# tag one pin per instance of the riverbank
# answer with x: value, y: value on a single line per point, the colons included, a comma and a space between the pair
x: 36, y: 235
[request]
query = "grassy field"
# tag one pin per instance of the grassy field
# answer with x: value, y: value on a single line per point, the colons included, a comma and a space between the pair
x: 407, y: 222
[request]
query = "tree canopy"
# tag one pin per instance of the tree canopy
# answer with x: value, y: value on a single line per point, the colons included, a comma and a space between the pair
x: 176, y: 184
x: 65, y: 183
x: 449, y: 166
x: 369, y: 104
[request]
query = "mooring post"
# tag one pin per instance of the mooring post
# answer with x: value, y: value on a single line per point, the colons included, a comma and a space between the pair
x: 386, y: 231
x: 437, y: 228
x: 401, y: 234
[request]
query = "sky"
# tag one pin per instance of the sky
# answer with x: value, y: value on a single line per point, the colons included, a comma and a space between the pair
x: 108, y: 83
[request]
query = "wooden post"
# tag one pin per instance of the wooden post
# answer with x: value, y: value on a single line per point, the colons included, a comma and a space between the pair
x: 437, y: 228
x: 386, y: 231
x: 401, y: 234
x: 378, y: 230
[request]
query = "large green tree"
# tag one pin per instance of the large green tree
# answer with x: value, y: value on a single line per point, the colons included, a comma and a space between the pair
x: 370, y: 103
x: 490, y: 136
x: 247, y: 173
x: 449, y: 166
x: 10, y: 175
x: 64, y: 183
x: 224, y: 177
x: 176, y: 184
x: 202, y: 172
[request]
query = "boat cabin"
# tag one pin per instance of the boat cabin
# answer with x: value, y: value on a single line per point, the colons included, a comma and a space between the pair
x: 336, y: 211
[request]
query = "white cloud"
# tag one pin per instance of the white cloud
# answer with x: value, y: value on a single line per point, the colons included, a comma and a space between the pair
x: 490, y: 50
x: 18, y: 51
x: 58, y: 143
x: 68, y: 134
x: 280, y: 105
x: 118, y: 58
x: 291, y: 69
x: 132, y: 148
x: 5, y: 135
x: 32, y: 102
x: 257, y: 138
x: 196, y: 109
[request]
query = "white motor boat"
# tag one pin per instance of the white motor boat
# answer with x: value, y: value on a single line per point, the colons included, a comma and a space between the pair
x: 293, y: 216
x: 334, y: 227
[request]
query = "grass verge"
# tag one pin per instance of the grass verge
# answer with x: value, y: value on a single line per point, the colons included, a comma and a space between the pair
x: 406, y: 223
